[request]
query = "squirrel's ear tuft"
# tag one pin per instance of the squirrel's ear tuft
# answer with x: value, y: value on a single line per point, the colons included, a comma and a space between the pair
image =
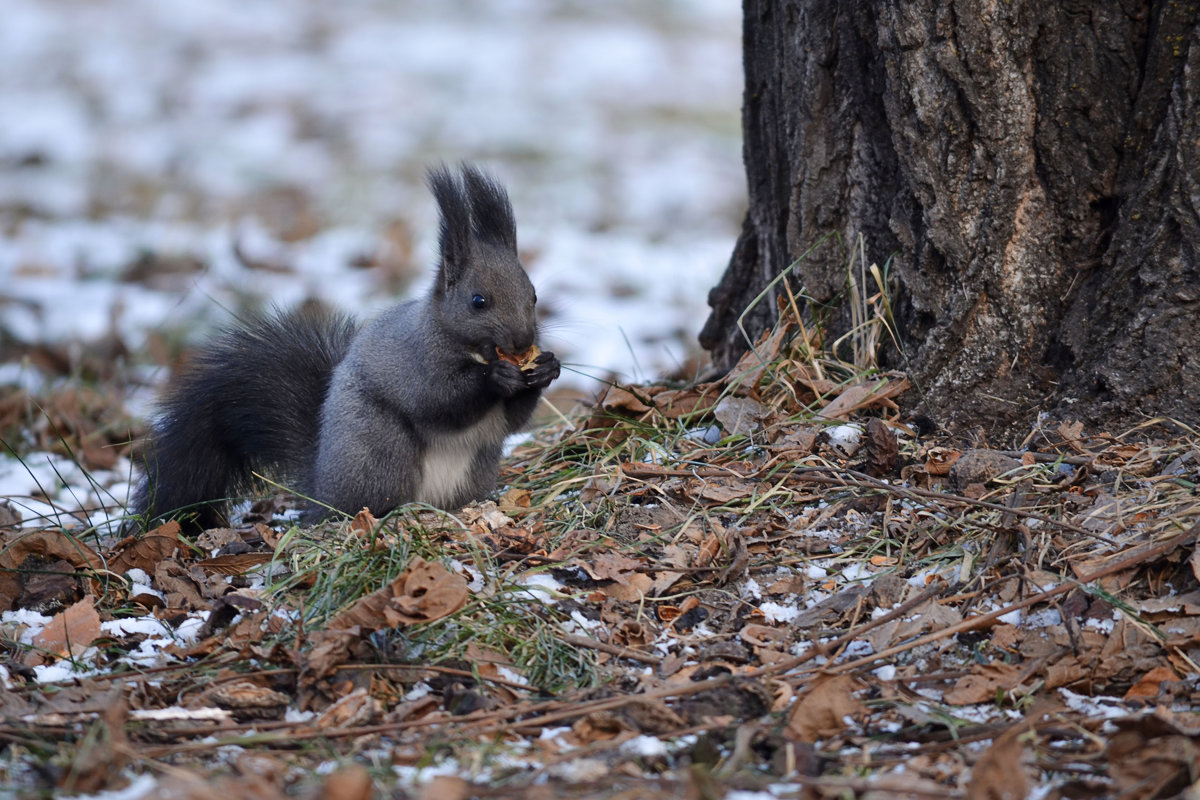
x: 454, y: 232
x: 491, y: 212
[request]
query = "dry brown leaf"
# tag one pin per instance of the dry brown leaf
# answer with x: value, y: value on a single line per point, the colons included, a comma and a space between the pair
x: 351, y: 782
x: 1151, y: 756
x: 718, y: 491
x: 329, y: 650
x: 599, y: 726
x: 234, y: 563
x: 762, y: 635
x: 708, y: 551
x: 984, y: 683
x: 181, y: 588
x: 364, y: 524
x: 798, y: 442
x: 1149, y: 685
x: 515, y: 500
x: 675, y: 403
x: 354, y: 710
x: 999, y: 774
x: 619, y: 400
x: 823, y: 710
x: 633, y: 590
x: 1072, y: 435
x: 98, y: 761
x: 422, y: 593
x: 755, y: 362
x: 939, y: 460
x: 180, y: 784
x: 513, y: 541
x: 145, y: 552
x: 882, y: 450
x: 70, y: 632
x: 445, y: 787
x: 865, y: 394
x: 47, y: 545
x: 248, y: 700
x: 741, y: 416
x: 612, y: 566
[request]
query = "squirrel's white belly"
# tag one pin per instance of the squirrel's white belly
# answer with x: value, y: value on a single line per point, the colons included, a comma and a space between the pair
x: 448, y: 458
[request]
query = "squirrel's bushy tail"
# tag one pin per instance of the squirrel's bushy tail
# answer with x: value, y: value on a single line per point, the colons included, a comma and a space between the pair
x: 249, y: 401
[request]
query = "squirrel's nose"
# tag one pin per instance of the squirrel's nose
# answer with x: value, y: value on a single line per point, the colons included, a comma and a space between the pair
x: 522, y: 342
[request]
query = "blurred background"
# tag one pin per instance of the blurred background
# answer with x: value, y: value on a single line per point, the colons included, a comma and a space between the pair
x: 165, y: 165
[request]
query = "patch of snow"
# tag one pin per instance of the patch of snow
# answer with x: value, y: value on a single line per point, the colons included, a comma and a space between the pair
x: 847, y: 438
x: 645, y: 746
x: 816, y: 573
x: 556, y: 735
x: 828, y: 534
x: 1110, y: 707
x: 475, y: 584
x: 856, y: 649
x: 180, y: 713
x: 140, y: 786
x: 189, y: 629
x: 415, y: 776
x: 709, y: 435
x: 1044, y: 618
x: 1013, y: 617
x: 980, y: 713
x: 814, y: 597
x: 856, y: 571
x: 148, y: 653
x: 419, y: 690
x: 581, y: 770
x: 123, y: 626
x: 64, y: 670
x: 540, y: 586
x: 776, y: 612
x: 800, y: 648
x: 511, y: 675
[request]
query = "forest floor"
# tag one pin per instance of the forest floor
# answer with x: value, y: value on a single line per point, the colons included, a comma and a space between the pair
x: 775, y: 585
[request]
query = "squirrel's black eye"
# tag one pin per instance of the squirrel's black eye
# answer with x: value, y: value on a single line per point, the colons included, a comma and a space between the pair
x: 479, y: 301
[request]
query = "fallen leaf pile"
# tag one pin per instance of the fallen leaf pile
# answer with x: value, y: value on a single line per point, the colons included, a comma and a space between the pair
x: 769, y: 582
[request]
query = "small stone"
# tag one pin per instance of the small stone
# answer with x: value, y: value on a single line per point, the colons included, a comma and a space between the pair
x: 980, y: 466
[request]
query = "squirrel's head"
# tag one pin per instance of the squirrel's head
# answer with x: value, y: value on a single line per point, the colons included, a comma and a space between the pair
x: 482, y: 297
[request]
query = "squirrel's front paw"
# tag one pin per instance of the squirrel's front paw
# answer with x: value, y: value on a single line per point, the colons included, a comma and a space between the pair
x: 545, y: 369
x: 507, y: 378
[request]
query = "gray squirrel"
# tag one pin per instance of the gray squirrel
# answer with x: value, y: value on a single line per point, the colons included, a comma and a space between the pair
x: 414, y: 407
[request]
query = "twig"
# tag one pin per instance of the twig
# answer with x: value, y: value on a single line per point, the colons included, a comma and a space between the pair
x: 612, y: 649
x: 1140, y: 554
x: 857, y: 480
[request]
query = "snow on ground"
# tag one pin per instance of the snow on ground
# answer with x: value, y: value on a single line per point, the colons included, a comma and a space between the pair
x: 164, y: 165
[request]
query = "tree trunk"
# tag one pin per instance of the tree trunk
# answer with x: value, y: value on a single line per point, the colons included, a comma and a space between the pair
x: 1031, y: 169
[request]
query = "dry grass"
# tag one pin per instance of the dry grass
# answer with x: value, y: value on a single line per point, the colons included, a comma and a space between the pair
x: 721, y: 570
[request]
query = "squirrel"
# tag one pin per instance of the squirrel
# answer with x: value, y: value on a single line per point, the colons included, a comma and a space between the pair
x: 412, y: 407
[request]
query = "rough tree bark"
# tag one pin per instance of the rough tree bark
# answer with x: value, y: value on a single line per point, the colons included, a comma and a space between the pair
x: 1033, y: 170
